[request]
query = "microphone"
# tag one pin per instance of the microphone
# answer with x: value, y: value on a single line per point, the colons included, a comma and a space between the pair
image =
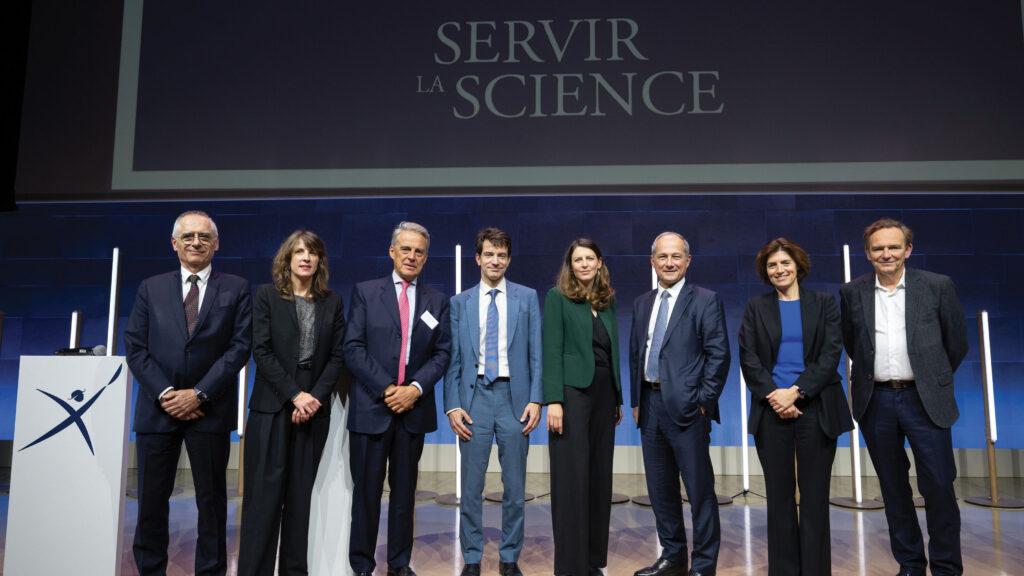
x: 99, y: 350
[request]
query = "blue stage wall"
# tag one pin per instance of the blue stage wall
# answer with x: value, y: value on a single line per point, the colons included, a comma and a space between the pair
x: 54, y: 258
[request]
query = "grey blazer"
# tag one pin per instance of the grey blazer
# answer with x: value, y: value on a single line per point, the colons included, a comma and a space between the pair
x: 936, y: 340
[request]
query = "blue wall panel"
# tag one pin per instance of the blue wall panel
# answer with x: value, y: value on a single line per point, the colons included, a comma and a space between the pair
x: 54, y: 258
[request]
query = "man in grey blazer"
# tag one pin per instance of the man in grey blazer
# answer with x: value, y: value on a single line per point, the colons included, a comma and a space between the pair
x: 493, y: 379
x: 905, y: 333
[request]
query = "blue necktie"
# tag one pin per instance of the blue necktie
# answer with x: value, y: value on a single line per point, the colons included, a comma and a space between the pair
x: 660, y: 324
x: 491, y: 340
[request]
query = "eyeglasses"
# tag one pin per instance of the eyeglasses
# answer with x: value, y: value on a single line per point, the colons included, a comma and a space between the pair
x: 193, y: 237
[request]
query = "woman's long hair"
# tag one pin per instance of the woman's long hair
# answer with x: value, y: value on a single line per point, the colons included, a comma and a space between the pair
x: 281, y: 269
x: 600, y: 292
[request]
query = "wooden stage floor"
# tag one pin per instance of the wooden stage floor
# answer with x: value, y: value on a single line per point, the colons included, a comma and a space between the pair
x: 993, y: 540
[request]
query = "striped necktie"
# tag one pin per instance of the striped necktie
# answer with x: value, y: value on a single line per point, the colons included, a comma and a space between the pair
x: 192, y: 305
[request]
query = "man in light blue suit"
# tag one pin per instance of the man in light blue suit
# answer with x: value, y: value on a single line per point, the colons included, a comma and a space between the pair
x: 493, y: 391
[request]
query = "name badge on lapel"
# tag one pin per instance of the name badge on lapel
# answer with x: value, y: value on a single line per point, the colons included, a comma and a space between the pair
x: 429, y: 319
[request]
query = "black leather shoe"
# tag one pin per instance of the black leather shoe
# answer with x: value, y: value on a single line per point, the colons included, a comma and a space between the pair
x: 509, y: 569
x: 364, y: 574
x: 596, y: 572
x: 403, y: 571
x: 695, y: 573
x: 662, y: 567
x: 471, y: 570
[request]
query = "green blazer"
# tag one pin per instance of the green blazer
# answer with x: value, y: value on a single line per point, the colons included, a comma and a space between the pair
x: 568, y: 350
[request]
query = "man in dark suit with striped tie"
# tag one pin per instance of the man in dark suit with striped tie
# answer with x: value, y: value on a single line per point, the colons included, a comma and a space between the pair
x: 188, y: 335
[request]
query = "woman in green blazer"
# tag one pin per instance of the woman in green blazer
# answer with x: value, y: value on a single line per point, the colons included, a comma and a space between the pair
x: 584, y: 399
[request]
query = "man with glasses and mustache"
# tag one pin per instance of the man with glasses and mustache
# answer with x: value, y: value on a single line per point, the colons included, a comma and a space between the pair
x: 188, y: 335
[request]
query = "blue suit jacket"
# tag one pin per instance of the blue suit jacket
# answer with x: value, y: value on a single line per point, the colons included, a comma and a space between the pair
x: 524, y: 348
x: 373, y: 338
x: 161, y: 354
x: 694, y: 359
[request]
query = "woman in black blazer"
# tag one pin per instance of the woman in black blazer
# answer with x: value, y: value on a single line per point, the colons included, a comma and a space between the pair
x: 298, y: 329
x: 584, y: 399
x: 790, y: 345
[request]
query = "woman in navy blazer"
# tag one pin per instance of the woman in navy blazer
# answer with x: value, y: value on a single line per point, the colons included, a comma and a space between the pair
x: 584, y: 399
x: 790, y: 344
x: 298, y: 332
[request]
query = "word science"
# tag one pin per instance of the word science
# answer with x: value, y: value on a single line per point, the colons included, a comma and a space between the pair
x: 545, y: 68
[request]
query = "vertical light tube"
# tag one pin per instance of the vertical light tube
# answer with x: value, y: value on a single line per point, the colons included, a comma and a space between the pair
x: 458, y: 453
x: 855, y: 433
x: 989, y: 385
x: 743, y: 435
x: 115, y: 286
x: 76, y: 329
x: 243, y: 387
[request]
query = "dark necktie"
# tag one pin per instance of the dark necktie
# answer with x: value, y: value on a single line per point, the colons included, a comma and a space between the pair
x: 491, y: 340
x: 192, y: 304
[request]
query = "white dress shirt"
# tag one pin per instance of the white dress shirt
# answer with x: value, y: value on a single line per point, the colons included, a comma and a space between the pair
x: 204, y: 280
x: 674, y: 296
x: 501, y: 302
x: 892, y: 362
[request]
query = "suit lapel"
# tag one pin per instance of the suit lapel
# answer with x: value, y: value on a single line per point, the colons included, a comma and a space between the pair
x: 320, y: 304
x: 176, y: 299
x: 208, y: 299
x: 647, y: 308
x: 867, y: 300
x: 389, y: 301
x: 773, y: 323
x: 915, y: 294
x: 511, y: 312
x: 473, y: 317
x: 677, y: 311
x: 809, y: 323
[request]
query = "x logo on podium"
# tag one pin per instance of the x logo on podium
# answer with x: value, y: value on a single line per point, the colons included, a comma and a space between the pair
x: 74, y: 415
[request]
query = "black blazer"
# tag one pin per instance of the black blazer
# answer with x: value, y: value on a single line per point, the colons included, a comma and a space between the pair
x: 275, y: 338
x: 161, y: 354
x: 372, y: 342
x: 760, y: 335
x: 936, y: 340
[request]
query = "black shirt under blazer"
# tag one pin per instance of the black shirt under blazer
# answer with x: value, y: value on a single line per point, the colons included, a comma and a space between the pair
x: 760, y: 336
x: 275, y: 336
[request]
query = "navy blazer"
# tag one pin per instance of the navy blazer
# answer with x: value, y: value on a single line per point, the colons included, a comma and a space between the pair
x: 936, y: 340
x: 161, y: 354
x: 524, y: 350
x: 373, y: 338
x: 694, y: 359
x: 760, y: 336
x: 276, y: 334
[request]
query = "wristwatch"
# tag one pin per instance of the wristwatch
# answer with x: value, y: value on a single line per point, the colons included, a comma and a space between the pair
x: 203, y: 398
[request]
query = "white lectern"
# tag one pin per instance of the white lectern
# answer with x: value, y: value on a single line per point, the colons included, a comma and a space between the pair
x: 68, y: 469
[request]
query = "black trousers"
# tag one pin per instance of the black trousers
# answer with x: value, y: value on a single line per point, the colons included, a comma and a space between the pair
x: 395, y: 452
x: 797, y: 544
x: 581, y: 476
x: 158, y: 463
x: 281, y: 460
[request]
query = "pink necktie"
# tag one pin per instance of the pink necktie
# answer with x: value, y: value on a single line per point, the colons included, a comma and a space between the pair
x: 403, y: 315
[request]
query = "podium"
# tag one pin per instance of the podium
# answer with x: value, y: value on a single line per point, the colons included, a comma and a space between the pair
x: 68, y: 469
